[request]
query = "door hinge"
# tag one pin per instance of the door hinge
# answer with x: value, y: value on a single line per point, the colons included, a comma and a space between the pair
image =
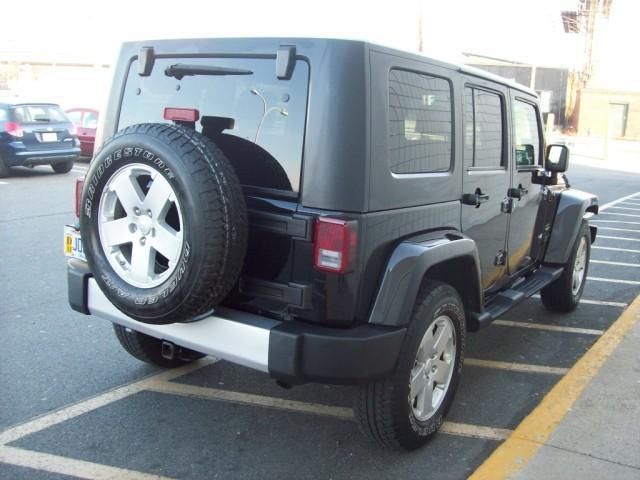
x: 506, y: 206
x: 501, y: 258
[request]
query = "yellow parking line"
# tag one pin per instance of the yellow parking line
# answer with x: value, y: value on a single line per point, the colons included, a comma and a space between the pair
x: 537, y: 427
x: 69, y: 466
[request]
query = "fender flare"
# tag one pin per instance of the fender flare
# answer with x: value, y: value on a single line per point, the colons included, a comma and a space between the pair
x: 572, y: 207
x: 410, y: 261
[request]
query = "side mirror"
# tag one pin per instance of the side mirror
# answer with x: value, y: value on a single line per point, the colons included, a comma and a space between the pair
x: 557, y: 159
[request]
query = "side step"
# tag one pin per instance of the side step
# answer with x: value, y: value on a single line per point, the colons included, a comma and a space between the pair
x: 509, y: 298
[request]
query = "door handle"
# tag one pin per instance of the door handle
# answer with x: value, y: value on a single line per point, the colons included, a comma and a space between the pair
x: 475, y: 199
x: 517, y: 192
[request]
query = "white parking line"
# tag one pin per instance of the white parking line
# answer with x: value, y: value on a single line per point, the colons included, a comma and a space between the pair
x: 632, y: 203
x: 69, y: 466
x: 613, y: 280
x: 618, y: 229
x: 620, y: 238
x: 626, y: 208
x: 344, y: 413
x: 617, y: 264
x: 3, y: 183
x: 597, y: 220
x: 551, y: 328
x: 596, y: 302
x: 515, y: 367
x: 615, y: 249
x: 619, y: 200
x: 90, y: 404
x: 621, y: 214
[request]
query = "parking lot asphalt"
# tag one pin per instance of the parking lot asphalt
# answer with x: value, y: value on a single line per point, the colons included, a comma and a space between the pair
x: 74, y: 404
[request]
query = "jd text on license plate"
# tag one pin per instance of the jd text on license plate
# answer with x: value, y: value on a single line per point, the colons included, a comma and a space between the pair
x: 73, y: 243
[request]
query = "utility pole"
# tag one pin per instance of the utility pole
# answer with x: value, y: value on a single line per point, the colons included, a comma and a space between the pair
x: 420, y: 36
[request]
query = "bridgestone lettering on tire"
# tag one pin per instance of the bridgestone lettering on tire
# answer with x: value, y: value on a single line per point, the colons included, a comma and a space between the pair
x: 163, y: 223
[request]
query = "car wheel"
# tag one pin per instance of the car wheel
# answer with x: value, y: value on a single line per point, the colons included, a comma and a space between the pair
x: 405, y: 409
x: 62, y: 167
x: 149, y: 350
x: 163, y: 223
x: 4, y: 169
x: 563, y: 295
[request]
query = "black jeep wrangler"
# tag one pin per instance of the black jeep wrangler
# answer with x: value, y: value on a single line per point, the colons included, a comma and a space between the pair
x: 323, y: 211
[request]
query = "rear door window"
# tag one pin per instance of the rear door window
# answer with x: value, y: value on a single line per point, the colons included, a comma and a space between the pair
x: 256, y: 119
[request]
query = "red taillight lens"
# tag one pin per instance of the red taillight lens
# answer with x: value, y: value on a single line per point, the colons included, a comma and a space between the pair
x: 181, y: 114
x: 79, y: 187
x: 334, y: 245
x: 14, y: 129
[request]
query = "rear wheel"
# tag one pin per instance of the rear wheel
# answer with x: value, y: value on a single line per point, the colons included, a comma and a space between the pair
x: 405, y: 409
x: 563, y: 295
x: 149, y: 350
x: 62, y: 167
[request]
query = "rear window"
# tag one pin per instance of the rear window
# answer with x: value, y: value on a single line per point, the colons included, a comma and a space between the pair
x: 255, y: 118
x: 39, y: 114
x: 3, y: 115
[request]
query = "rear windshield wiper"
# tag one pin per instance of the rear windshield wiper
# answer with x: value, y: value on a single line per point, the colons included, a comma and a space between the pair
x: 180, y: 70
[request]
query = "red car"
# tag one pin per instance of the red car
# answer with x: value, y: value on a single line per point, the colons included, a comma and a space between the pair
x: 86, y: 121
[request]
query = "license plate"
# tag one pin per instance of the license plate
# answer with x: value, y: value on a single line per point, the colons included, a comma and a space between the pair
x: 49, y: 137
x: 73, y: 243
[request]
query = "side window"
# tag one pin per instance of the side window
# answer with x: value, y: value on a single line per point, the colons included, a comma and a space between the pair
x: 90, y: 120
x: 420, y: 123
x: 483, y: 129
x: 75, y: 116
x: 527, y: 134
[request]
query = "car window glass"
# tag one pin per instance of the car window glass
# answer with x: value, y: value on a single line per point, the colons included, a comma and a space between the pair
x: 527, y: 136
x: 75, y: 116
x: 3, y: 115
x: 90, y: 120
x: 420, y: 123
x: 257, y: 120
x: 39, y: 114
x: 483, y: 129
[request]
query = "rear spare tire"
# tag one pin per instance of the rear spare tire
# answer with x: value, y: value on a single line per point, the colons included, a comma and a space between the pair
x: 163, y: 223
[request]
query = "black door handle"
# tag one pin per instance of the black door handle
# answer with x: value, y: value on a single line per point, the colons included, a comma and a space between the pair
x: 517, y: 192
x: 474, y: 199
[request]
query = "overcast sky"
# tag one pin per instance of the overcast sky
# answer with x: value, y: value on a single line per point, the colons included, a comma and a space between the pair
x: 518, y: 29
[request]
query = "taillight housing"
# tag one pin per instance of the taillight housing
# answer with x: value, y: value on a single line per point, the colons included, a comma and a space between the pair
x: 79, y: 187
x: 334, y: 244
x: 14, y: 129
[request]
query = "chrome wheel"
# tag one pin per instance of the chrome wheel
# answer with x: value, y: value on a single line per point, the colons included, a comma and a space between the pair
x: 140, y: 225
x: 433, y: 368
x: 579, y: 267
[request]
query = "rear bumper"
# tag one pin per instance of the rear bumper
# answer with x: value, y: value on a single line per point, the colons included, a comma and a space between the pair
x: 292, y: 352
x: 15, y: 154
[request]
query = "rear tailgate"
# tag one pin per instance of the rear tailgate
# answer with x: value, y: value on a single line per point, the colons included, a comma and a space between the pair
x: 45, y: 127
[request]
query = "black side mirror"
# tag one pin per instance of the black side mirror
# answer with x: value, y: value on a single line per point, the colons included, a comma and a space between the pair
x: 557, y: 159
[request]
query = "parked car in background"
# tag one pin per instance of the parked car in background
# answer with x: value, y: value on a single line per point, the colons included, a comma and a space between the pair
x: 86, y: 121
x: 36, y: 134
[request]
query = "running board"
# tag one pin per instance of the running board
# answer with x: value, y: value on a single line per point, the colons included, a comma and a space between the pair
x: 509, y: 298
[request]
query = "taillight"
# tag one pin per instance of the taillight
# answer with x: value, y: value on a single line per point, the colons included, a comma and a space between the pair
x: 334, y: 245
x: 14, y: 129
x: 181, y: 114
x: 79, y: 187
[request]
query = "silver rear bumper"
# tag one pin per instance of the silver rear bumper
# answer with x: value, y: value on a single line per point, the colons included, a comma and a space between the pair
x: 238, y: 337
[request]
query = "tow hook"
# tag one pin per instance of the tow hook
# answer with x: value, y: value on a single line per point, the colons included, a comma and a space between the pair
x: 168, y: 350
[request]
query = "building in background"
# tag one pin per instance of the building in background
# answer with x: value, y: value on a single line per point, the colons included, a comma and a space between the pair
x: 550, y: 82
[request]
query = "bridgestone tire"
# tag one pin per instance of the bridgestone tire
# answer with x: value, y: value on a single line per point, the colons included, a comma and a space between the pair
x: 559, y: 296
x: 149, y: 350
x: 383, y: 408
x: 62, y: 167
x: 213, y: 224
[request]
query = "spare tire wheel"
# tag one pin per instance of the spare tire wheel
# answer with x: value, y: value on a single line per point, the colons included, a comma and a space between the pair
x: 163, y: 223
